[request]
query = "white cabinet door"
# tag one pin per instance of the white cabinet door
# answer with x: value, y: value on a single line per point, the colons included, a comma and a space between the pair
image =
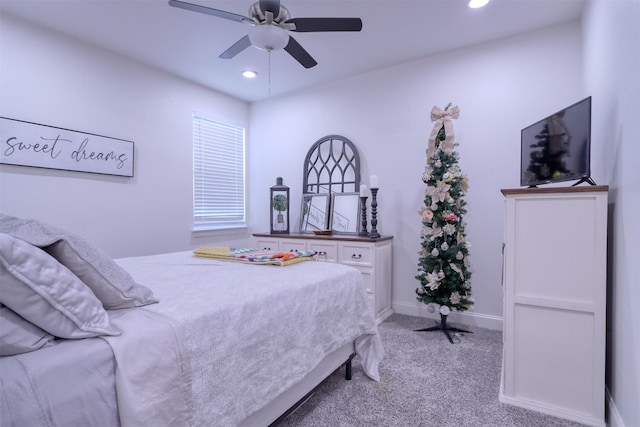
x: 555, y: 301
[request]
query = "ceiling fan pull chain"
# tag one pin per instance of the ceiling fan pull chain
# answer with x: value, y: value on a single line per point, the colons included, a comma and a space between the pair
x: 269, y: 53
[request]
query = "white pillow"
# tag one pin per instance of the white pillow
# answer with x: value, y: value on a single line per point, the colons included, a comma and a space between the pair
x: 41, y: 290
x: 18, y: 336
x: 109, y: 282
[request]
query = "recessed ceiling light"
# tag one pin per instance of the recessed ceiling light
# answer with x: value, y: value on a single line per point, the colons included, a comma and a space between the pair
x: 249, y: 74
x: 474, y: 4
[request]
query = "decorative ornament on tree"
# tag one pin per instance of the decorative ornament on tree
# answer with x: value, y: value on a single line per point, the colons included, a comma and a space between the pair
x: 443, y: 266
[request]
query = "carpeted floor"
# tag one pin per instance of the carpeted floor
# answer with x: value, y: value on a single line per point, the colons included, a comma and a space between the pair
x: 425, y: 381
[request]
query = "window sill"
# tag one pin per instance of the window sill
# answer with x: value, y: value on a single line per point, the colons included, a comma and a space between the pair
x: 218, y: 231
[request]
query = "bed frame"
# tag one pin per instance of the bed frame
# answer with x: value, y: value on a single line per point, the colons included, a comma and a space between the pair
x: 291, y: 399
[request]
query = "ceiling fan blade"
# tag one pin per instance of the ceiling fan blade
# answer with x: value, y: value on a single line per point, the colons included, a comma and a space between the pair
x: 307, y: 25
x: 236, y: 48
x: 210, y: 11
x: 272, y: 6
x: 299, y: 54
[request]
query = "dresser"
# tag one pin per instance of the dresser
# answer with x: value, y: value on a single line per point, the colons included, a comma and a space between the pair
x: 372, y: 257
x: 555, y: 256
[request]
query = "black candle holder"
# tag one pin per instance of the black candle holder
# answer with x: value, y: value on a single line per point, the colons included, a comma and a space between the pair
x: 363, y: 222
x: 374, y: 214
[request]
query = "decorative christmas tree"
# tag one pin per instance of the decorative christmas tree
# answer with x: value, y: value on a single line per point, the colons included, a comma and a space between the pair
x: 443, y: 267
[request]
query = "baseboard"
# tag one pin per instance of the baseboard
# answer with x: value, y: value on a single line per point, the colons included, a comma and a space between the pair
x: 613, y: 416
x: 548, y: 409
x: 467, y: 318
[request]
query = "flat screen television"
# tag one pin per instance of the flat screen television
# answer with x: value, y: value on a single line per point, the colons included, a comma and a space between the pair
x: 557, y: 148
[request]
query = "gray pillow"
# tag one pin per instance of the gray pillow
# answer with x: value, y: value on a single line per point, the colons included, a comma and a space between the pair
x: 109, y: 282
x: 41, y: 290
x: 18, y: 336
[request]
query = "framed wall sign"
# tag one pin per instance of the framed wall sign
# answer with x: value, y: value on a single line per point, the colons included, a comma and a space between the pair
x: 43, y: 146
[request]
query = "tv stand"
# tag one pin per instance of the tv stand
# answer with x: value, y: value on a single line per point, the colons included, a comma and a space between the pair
x: 585, y: 179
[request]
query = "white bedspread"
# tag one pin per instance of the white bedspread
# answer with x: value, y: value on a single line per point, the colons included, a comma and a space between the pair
x: 252, y: 331
x: 153, y: 373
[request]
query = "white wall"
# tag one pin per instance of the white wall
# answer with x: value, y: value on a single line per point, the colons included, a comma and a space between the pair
x: 612, y: 75
x: 500, y: 88
x: 54, y: 80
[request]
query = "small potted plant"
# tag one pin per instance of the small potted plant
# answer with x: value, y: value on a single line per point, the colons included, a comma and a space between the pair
x: 280, y: 205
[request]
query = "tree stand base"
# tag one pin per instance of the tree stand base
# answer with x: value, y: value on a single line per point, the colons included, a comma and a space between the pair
x: 443, y: 327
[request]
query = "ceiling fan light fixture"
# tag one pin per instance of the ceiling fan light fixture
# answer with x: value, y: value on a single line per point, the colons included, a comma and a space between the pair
x: 271, y: 23
x: 268, y: 37
x: 475, y: 4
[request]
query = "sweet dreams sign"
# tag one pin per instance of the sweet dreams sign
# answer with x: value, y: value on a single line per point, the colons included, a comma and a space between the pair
x: 32, y: 144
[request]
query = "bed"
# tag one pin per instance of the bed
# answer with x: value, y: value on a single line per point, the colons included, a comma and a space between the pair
x: 167, y: 340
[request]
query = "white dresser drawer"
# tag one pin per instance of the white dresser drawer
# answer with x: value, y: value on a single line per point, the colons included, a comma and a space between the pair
x: 355, y: 254
x: 327, y: 251
x: 267, y: 245
x: 290, y: 245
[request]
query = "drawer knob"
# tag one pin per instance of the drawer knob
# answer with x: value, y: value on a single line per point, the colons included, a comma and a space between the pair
x: 369, y: 291
x: 354, y: 256
x: 322, y: 253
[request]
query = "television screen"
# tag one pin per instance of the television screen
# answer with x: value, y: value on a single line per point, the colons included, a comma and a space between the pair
x: 557, y: 148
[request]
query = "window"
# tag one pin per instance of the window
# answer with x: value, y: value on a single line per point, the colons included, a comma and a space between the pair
x: 218, y: 175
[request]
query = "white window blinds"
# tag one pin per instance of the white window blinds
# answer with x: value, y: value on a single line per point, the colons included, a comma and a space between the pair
x: 218, y: 175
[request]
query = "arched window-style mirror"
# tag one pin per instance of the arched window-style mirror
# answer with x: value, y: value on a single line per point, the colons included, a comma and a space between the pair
x: 332, y: 166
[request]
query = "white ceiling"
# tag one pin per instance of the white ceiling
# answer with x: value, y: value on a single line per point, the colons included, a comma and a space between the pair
x: 187, y: 44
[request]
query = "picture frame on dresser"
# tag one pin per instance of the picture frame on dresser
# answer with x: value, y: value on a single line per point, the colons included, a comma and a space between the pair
x: 314, y: 212
x: 345, y: 213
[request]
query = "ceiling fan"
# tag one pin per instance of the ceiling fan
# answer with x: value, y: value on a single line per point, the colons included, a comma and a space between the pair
x: 271, y: 22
